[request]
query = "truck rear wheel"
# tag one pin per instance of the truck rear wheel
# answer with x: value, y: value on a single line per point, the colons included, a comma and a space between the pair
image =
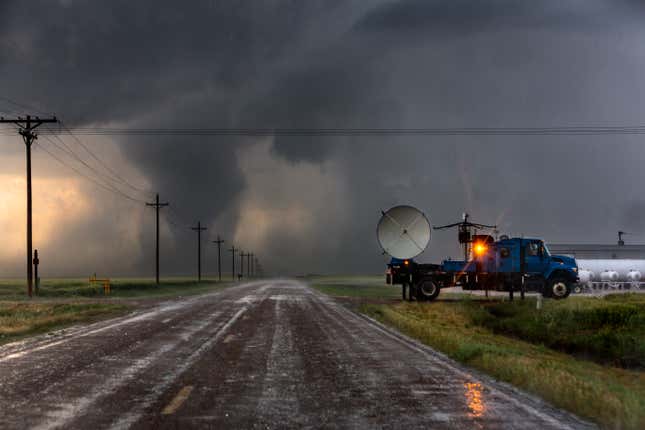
x: 427, y: 289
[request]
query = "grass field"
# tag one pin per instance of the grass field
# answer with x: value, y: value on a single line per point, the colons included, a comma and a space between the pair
x: 20, y: 319
x: 11, y: 289
x: 63, y: 302
x: 582, y: 354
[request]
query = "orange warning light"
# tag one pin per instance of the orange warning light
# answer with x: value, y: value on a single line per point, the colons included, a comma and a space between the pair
x: 480, y: 248
x: 406, y: 262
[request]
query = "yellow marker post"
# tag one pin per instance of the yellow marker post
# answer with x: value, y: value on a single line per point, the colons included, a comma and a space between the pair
x: 106, y: 284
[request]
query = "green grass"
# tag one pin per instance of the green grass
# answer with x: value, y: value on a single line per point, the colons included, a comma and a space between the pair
x: 62, y: 302
x: 608, y: 330
x: 21, y: 319
x: 120, y: 288
x: 515, y: 343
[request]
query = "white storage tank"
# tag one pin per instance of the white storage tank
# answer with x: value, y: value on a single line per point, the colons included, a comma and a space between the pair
x: 609, y: 276
x: 634, y: 276
x: 586, y: 276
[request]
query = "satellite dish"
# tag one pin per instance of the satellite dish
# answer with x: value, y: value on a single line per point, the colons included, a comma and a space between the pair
x: 403, y: 232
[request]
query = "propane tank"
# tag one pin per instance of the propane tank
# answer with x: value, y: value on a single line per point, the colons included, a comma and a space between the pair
x: 634, y: 276
x: 609, y: 276
x: 586, y: 276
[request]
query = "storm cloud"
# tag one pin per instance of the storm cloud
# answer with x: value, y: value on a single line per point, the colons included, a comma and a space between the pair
x: 310, y: 204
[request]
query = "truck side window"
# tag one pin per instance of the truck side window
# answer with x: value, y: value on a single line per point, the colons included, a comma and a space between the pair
x: 532, y: 249
x: 504, y: 252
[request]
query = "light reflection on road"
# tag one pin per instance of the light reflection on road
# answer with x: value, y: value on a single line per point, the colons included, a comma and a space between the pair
x: 475, y: 399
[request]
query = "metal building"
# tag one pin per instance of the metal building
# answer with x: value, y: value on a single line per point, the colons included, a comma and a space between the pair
x: 597, y: 251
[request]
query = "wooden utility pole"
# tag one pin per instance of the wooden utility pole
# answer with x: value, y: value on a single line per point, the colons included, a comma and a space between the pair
x: 249, y: 256
x: 233, y: 251
x: 219, y: 243
x: 242, y: 255
x: 157, y: 205
x: 26, y: 127
x: 199, y: 230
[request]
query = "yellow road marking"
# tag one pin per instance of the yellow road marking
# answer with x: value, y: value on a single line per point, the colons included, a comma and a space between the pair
x: 179, y: 400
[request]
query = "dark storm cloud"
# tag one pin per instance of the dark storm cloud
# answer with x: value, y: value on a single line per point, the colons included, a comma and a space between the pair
x: 154, y: 64
x: 450, y: 18
x: 353, y: 64
x: 477, y: 64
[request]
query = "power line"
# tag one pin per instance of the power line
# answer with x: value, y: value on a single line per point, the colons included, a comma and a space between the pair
x: 89, y: 178
x: 98, y: 179
x: 303, y: 132
x: 114, y: 174
x: 66, y: 149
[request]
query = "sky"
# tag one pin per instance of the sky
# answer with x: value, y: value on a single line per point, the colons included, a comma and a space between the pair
x: 311, y: 204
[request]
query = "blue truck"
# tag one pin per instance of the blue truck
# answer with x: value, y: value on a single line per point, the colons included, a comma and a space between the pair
x: 508, y: 264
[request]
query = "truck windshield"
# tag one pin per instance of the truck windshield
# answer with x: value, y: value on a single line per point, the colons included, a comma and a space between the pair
x: 547, y: 253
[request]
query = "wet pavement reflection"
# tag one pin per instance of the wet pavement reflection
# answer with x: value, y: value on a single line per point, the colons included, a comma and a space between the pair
x: 475, y: 399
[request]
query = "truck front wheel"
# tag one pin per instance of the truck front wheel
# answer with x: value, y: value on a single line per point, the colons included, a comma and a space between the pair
x: 557, y: 288
x: 427, y: 289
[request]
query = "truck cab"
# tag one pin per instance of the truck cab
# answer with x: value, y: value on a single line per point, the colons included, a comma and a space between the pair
x: 553, y: 275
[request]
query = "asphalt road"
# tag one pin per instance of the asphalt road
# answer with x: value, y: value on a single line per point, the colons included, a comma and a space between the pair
x: 261, y: 355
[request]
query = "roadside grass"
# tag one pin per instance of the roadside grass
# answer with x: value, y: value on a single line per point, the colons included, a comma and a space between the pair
x: 609, y: 330
x: 63, y: 302
x: 21, y: 319
x: 515, y: 343
x: 120, y: 288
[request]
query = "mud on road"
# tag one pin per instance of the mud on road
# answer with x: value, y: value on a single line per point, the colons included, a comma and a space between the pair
x: 261, y: 355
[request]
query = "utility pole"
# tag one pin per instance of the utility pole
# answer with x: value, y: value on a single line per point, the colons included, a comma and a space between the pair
x: 248, y: 264
x: 157, y: 205
x: 242, y: 255
x: 199, y: 230
x: 233, y: 250
x: 219, y: 243
x: 26, y: 127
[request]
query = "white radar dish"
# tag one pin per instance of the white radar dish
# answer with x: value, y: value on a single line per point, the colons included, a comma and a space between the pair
x: 403, y: 232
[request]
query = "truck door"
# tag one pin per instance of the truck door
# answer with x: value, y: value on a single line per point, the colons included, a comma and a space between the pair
x: 535, y: 259
x: 507, y: 257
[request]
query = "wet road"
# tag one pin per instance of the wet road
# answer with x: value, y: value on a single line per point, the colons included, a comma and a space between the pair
x: 262, y: 355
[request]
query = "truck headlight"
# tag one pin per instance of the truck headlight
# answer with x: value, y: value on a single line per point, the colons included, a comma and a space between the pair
x: 575, y: 269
